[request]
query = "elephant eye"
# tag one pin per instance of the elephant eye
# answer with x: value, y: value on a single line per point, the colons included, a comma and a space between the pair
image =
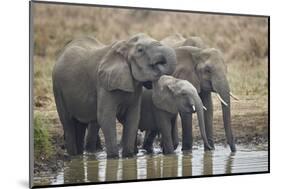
x: 208, y: 69
x: 140, y: 49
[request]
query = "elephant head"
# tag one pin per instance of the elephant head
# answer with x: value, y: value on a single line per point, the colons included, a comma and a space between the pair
x: 139, y: 59
x: 176, y: 95
x: 206, y: 70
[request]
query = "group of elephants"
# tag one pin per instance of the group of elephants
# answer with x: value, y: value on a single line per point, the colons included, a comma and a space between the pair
x: 145, y: 84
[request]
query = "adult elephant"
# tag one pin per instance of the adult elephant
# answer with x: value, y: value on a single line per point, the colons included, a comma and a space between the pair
x: 97, y: 84
x: 160, y: 107
x: 205, y: 69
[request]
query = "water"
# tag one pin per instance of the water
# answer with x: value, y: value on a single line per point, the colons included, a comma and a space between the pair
x: 96, y: 168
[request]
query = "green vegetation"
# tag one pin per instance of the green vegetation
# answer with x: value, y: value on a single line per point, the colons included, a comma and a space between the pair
x: 42, y: 145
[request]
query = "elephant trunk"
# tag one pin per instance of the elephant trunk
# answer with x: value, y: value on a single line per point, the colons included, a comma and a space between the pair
x: 165, y: 59
x: 200, y: 116
x: 222, y: 88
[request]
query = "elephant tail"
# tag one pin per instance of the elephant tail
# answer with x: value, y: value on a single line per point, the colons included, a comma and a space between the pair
x: 61, y: 108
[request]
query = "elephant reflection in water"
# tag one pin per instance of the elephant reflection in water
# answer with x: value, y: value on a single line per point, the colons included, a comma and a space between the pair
x: 153, y: 167
x: 93, y: 167
x: 85, y: 169
x: 208, y: 163
x: 170, y: 166
x: 111, y: 170
x: 211, y: 165
x: 229, y: 163
x: 187, y: 165
x: 74, y: 172
x: 129, y: 169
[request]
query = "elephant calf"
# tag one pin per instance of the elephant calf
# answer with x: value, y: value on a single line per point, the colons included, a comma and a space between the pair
x: 159, y: 109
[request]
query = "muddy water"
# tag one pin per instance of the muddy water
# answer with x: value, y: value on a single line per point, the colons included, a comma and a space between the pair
x: 96, y: 168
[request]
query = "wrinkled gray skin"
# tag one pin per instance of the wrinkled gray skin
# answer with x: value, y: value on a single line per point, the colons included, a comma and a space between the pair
x: 205, y: 69
x: 95, y: 84
x: 160, y: 107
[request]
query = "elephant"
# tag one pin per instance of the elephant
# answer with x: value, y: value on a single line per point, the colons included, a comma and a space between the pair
x: 177, y: 40
x: 205, y: 68
x: 97, y: 84
x: 160, y: 107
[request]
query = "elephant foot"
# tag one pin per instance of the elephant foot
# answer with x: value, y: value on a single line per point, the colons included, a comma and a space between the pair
x: 168, y: 152
x: 93, y: 148
x: 71, y: 149
x: 232, y: 148
x: 206, y: 148
x: 168, y: 149
x: 148, y: 147
x: 74, y: 153
x: 187, y: 145
x: 186, y: 152
x: 186, y: 148
x: 136, y: 150
x: 127, y: 153
x: 209, y: 147
x: 148, y: 150
x: 175, y: 145
x: 111, y: 155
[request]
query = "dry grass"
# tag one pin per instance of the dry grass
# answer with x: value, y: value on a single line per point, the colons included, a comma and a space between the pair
x: 243, y: 41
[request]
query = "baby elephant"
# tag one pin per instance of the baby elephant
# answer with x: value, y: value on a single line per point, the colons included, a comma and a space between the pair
x: 160, y: 107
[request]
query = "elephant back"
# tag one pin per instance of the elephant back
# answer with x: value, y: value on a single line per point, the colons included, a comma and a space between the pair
x: 89, y: 43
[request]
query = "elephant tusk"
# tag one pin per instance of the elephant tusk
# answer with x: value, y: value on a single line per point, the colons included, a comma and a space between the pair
x: 234, y: 97
x: 204, y: 108
x: 222, y: 101
x: 193, y: 107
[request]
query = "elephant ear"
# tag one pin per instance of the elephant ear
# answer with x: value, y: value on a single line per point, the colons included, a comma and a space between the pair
x: 162, y: 96
x: 114, y: 71
x: 186, y: 65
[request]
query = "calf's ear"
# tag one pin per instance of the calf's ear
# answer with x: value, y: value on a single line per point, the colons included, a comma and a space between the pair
x: 164, y: 99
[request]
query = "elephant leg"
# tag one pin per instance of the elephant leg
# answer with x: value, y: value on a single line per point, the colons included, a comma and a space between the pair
x: 93, y: 142
x: 148, y: 141
x: 131, y: 128
x: 208, y: 116
x: 106, y: 115
x: 129, y: 148
x: 175, y: 132
x: 164, y: 124
x: 99, y: 146
x: 80, y: 129
x: 70, y: 137
x: 187, y: 135
x: 68, y: 124
x: 109, y: 130
x: 136, y: 146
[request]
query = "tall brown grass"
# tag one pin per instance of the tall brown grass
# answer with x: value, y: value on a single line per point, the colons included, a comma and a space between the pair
x: 243, y: 40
